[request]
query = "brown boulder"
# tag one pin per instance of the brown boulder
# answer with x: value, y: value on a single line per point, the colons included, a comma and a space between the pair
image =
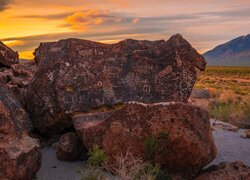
x: 227, y: 171
x: 180, y: 134
x: 69, y: 147
x: 20, y: 154
x: 78, y: 75
x: 7, y: 56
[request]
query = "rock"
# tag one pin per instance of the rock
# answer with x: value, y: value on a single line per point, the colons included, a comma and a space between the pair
x: 246, y: 134
x: 7, y: 56
x: 182, y: 134
x: 228, y: 171
x: 200, y: 98
x: 20, y: 154
x: 200, y: 93
x: 17, y: 78
x: 78, y: 75
x: 69, y: 147
x: 219, y: 125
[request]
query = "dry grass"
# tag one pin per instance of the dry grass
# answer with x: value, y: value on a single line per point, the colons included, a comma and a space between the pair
x: 130, y: 167
x: 230, y: 91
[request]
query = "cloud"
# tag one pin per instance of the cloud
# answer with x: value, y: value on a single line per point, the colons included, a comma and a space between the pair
x: 46, y: 17
x: 80, y: 20
x: 4, y: 4
x: 29, y: 43
x: 135, y: 20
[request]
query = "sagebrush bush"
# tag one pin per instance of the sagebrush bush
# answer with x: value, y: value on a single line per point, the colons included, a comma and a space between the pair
x: 150, y: 147
x: 130, y: 167
x: 97, y: 157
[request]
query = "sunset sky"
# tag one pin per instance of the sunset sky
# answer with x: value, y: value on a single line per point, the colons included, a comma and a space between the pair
x: 205, y: 23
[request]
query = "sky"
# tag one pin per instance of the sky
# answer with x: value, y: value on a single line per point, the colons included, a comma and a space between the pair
x: 24, y: 24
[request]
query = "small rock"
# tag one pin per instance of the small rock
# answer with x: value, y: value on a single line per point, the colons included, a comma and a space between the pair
x: 226, y: 171
x: 246, y: 134
x: 69, y: 147
x: 200, y: 93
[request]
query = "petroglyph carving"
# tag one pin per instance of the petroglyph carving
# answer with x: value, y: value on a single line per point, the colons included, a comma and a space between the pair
x: 147, y: 88
x: 99, y: 83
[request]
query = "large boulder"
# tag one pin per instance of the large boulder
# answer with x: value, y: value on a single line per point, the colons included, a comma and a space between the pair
x: 7, y: 56
x: 20, y: 154
x: 78, y: 75
x: 227, y: 171
x: 176, y: 135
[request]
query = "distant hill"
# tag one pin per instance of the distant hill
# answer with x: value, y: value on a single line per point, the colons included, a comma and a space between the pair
x: 233, y: 53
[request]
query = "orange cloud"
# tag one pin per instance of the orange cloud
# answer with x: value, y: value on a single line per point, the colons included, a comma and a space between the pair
x: 82, y: 20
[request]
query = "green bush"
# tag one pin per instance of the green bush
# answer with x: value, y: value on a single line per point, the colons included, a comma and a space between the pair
x: 163, y: 135
x: 150, y: 147
x: 97, y: 157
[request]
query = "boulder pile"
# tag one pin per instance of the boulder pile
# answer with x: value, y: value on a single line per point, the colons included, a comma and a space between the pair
x: 79, y: 76
x: 129, y: 96
x: 120, y: 96
x: 16, y: 75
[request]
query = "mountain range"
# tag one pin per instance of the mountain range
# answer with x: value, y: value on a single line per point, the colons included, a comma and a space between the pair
x: 233, y: 53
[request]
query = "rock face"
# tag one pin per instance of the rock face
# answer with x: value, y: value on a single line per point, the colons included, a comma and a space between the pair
x: 227, y: 171
x: 17, y: 77
x: 178, y: 135
x: 78, y: 75
x: 20, y: 154
x: 7, y: 56
x: 69, y: 147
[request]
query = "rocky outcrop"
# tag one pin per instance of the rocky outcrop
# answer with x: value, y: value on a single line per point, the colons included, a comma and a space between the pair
x: 17, y: 77
x: 228, y: 171
x: 69, y: 148
x: 20, y: 154
x: 176, y: 135
x: 78, y: 75
x: 7, y: 56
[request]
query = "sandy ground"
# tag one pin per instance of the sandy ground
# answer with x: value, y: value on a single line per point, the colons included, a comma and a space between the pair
x: 53, y: 169
x: 230, y: 147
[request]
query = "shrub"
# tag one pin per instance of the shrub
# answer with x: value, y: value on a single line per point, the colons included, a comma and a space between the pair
x: 134, y: 168
x: 150, y: 147
x: 91, y: 173
x: 97, y: 157
x: 163, y: 135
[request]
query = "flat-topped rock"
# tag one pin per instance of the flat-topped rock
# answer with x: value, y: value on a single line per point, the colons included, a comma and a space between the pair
x: 77, y: 75
x: 7, y: 56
